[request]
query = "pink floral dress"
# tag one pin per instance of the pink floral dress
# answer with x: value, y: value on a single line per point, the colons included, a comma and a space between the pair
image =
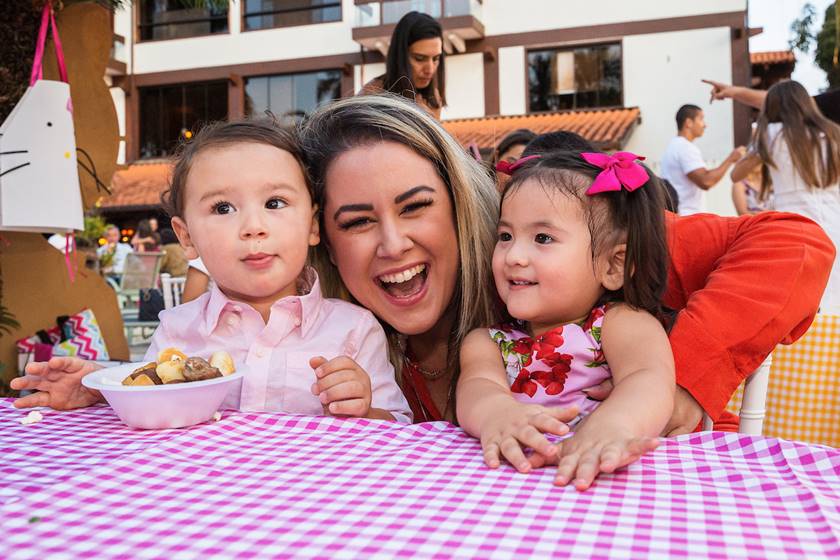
x: 553, y: 368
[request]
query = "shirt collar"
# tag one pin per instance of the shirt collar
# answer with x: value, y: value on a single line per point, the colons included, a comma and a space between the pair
x: 305, y: 306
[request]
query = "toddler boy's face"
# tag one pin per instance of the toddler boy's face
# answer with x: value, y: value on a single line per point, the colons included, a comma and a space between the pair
x: 249, y: 216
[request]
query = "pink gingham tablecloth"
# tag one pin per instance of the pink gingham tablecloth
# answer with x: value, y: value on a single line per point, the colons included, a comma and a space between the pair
x: 81, y: 484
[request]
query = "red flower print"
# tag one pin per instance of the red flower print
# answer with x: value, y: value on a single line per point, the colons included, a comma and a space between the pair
x: 556, y: 358
x: 523, y: 345
x: 596, y: 314
x: 554, y: 388
x: 553, y: 337
x: 563, y: 366
x: 523, y: 384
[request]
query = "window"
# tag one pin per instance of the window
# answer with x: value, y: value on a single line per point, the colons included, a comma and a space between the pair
x: 172, y: 19
x: 168, y: 113
x: 575, y: 78
x: 292, y: 95
x: 266, y: 14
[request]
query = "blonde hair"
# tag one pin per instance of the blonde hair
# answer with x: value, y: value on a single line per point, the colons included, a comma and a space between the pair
x: 359, y: 121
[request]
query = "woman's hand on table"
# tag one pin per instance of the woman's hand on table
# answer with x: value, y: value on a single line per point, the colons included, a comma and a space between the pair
x: 523, y: 425
x: 59, y: 384
x: 343, y: 388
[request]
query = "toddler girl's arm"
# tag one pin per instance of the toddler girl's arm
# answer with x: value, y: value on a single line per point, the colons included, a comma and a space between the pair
x: 362, y: 382
x: 625, y: 426
x: 58, y: 383
x: 487, y: 410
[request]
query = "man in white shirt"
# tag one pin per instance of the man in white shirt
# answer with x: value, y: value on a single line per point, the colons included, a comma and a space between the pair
x: 683, y: 165
x: 115, y: 251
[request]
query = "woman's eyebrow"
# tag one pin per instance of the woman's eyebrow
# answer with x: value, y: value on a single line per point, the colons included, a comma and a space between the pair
x: 411, y: 192
x: 352, y: 208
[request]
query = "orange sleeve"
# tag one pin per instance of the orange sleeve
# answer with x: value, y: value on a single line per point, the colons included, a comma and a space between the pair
x: 740, y: 286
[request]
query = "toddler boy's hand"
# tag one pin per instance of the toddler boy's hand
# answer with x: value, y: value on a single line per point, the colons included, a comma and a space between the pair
x: 342, y: 386
x: 59, y: 384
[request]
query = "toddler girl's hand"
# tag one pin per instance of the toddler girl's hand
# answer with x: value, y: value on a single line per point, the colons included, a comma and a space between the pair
x: 59, y: 384
x: 342, y: 386
x: 523, y: 425
x: 584, y: 456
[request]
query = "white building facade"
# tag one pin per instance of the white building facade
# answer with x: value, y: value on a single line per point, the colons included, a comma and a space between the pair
x: 504, y: 57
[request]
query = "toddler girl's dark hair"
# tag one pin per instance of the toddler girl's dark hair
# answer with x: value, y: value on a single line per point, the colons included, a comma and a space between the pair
x: 636, y: 218
x: 220, y: 134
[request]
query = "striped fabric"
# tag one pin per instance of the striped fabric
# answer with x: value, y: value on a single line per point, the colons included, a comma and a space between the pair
x: 803, y: 396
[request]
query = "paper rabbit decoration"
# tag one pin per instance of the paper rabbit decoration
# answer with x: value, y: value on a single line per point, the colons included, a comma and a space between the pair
x: 39, y: 180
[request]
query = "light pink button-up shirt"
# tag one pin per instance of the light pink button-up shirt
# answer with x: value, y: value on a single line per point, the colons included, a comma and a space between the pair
x: 277, y: 354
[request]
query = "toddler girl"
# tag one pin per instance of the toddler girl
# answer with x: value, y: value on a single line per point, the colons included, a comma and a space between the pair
x: 241, y: 200
x: 581, y: 264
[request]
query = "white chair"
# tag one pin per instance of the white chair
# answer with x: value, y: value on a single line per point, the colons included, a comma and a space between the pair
x: 172, y: 288
x: 753, y: 404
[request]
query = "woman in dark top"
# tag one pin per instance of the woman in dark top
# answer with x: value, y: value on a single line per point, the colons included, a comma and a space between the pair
x: 415, y: 65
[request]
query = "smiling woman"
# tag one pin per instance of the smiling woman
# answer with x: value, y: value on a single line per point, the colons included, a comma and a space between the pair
x: 408, y: 227
x: 415, y: 64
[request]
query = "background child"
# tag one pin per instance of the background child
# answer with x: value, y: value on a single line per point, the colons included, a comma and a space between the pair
x: 581, y: 264
x: 241, y: 200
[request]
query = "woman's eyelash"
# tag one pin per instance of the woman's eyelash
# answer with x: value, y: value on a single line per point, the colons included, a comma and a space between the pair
x: 417, y: 204
x: 350, y: 224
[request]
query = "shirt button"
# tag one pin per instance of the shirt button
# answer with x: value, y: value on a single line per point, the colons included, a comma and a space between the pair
x: 232, y: 321
x: 259, y: 353
x: 297, y: 322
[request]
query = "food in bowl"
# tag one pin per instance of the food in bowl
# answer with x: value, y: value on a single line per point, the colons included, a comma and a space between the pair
x: 173, y: 366
x: 169, y: 405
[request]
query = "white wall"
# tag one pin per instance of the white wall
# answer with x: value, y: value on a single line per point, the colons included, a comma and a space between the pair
x: 507, y: 16
x: 118, y: 95
x: 512, y: 76
x: 122, y: 26
x: 662, y: 71
x: 464, y: 86
x: 239, y: 47
x: 362, y: 75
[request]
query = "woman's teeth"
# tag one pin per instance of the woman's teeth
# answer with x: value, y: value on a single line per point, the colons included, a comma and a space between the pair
x: 404, y: 276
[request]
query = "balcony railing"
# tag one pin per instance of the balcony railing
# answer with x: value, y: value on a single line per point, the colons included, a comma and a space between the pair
x: 370, y: 13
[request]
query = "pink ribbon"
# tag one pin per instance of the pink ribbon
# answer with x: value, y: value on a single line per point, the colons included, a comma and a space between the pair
x: 508, y: 168
x: 47, y: 20
x: 619, y: 170
x: 69, y: 250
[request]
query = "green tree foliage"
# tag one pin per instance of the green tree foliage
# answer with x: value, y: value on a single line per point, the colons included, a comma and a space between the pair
x: 804, y: 37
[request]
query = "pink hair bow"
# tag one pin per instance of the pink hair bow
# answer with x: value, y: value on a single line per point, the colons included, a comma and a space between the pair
x: 619, y: 170
x: 508, y: 168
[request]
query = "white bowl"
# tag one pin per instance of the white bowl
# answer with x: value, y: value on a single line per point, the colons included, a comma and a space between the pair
x: 155, y: 407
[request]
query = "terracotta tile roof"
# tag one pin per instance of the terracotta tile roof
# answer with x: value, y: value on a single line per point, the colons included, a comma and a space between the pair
x: 138, y: 185
x: 772, y: 57
x: 607, y: 128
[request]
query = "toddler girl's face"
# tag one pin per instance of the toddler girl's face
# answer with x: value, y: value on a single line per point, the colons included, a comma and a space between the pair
x: 542, y: 263
x: 249, y: 216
